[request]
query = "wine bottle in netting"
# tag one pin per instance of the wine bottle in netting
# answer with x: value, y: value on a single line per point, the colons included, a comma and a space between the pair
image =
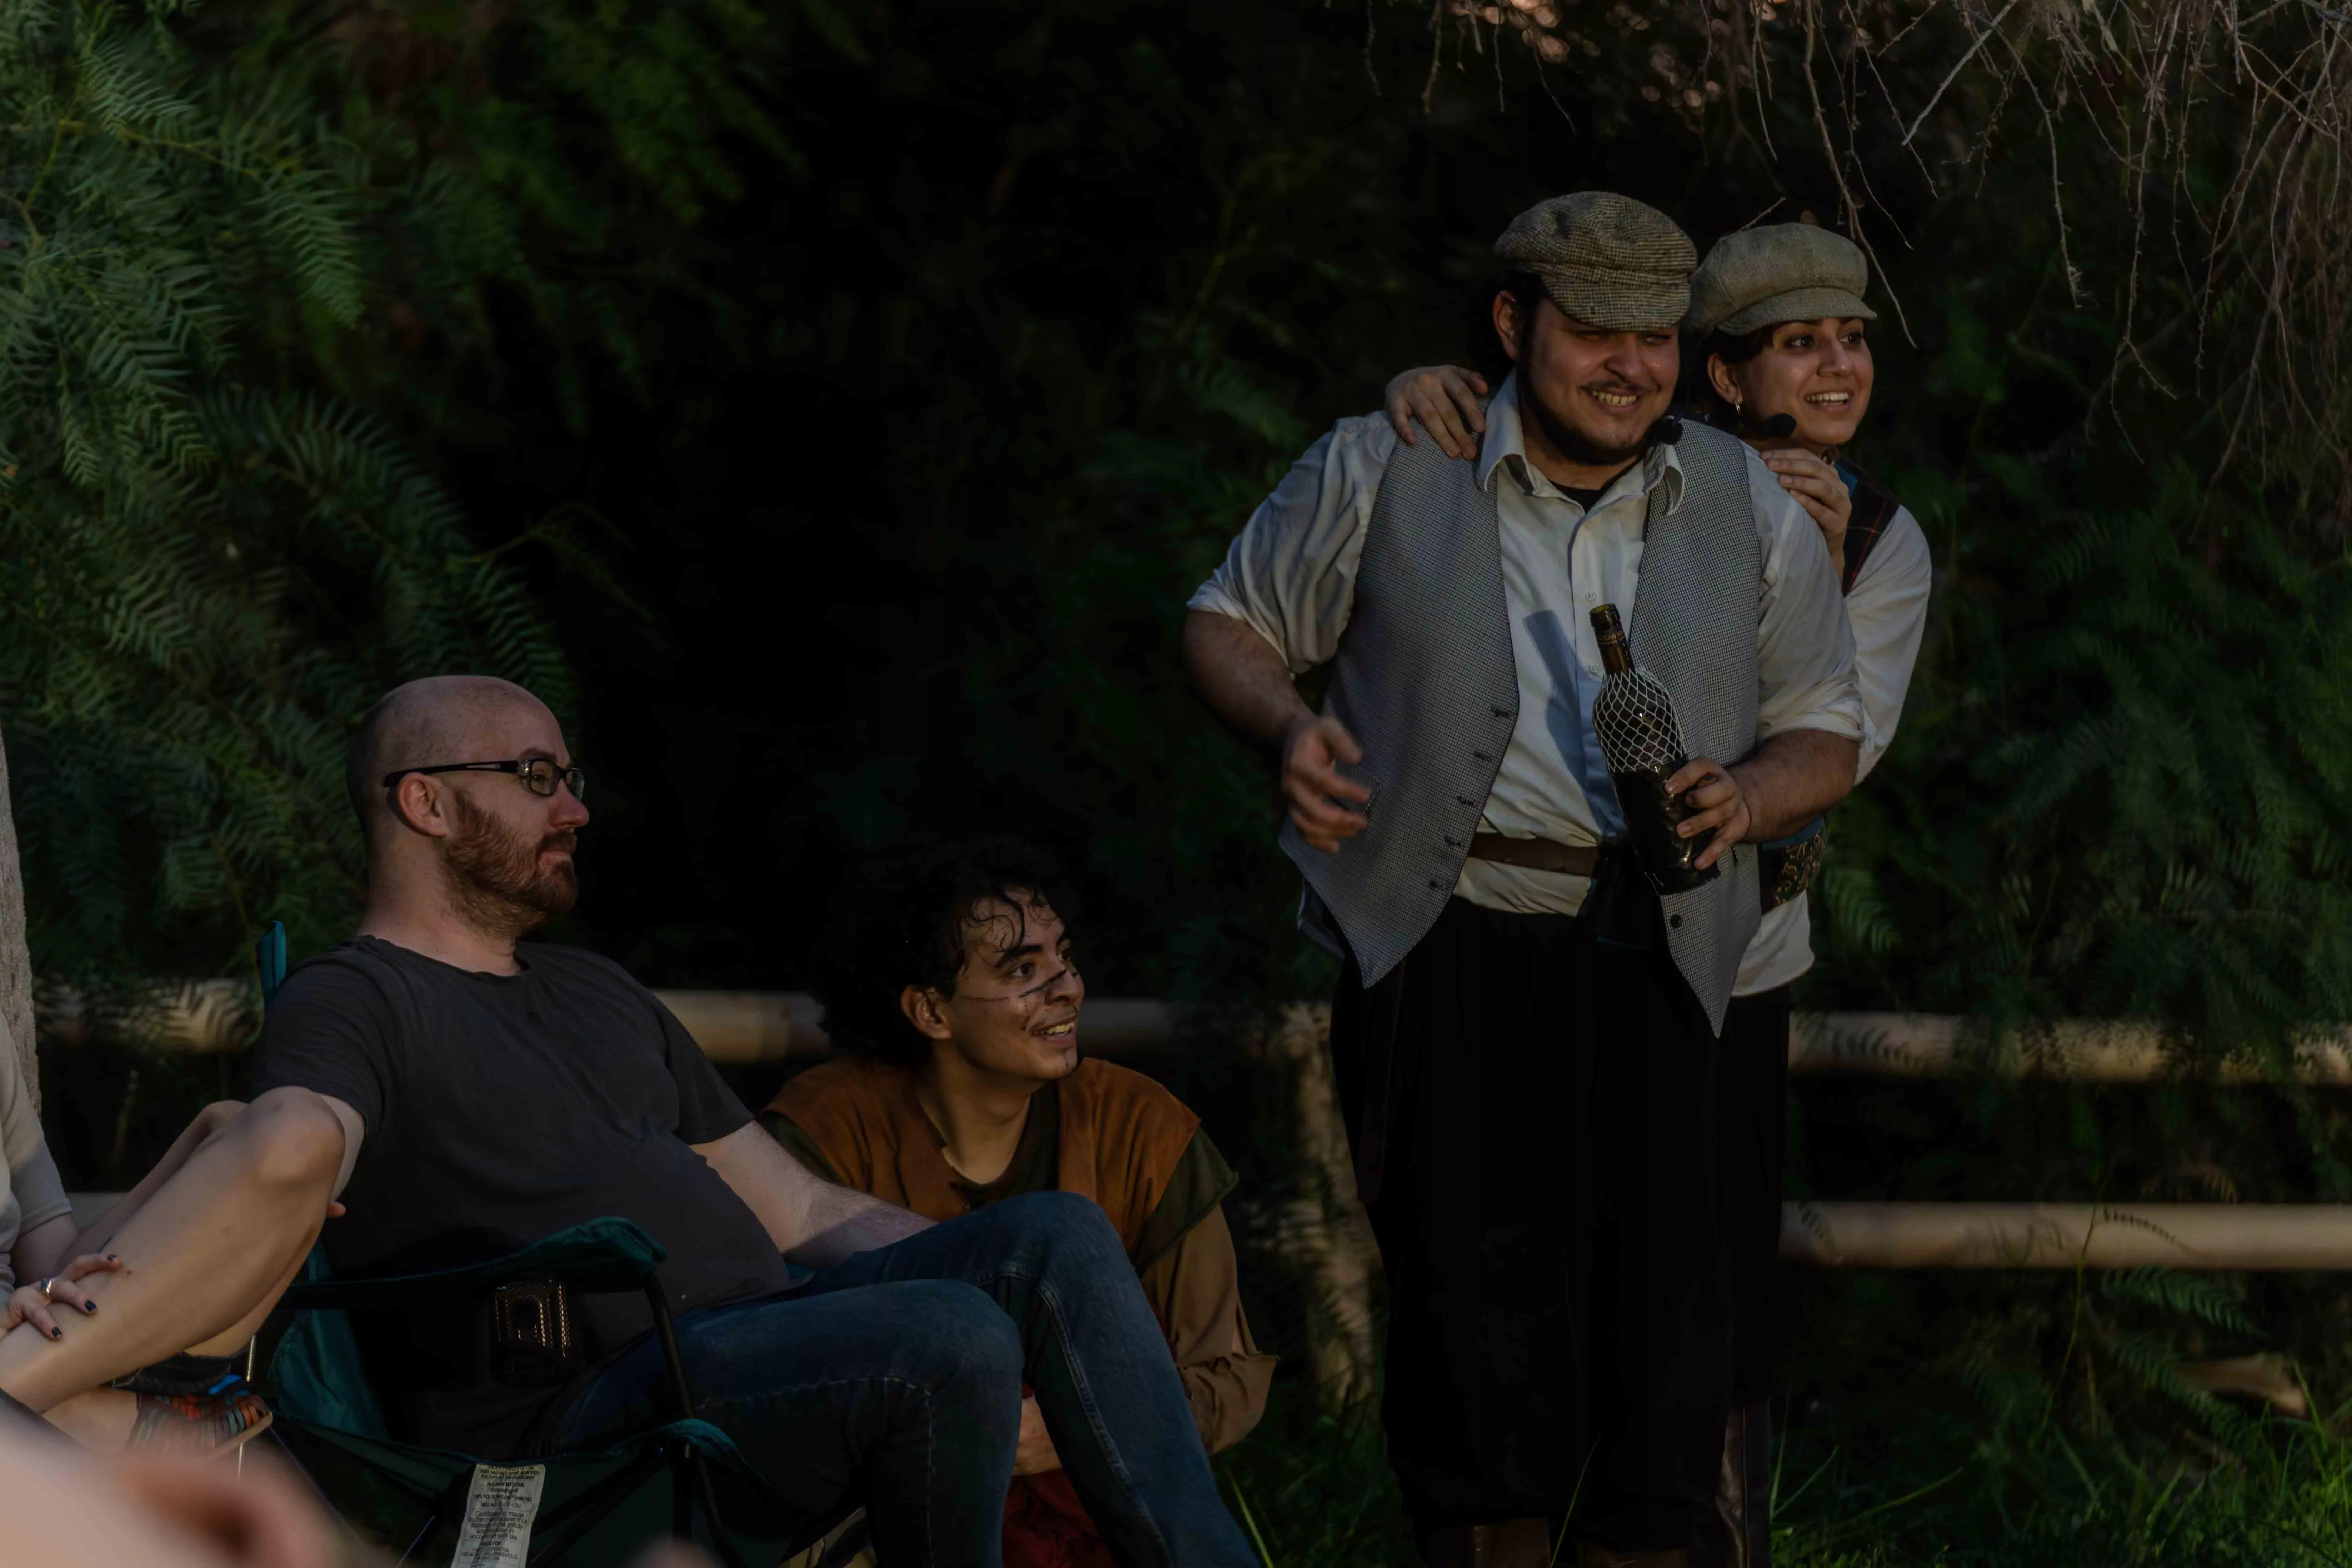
x: 1643, y: 744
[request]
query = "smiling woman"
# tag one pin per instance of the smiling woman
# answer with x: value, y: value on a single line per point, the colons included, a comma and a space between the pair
x: 1780, y: 316
x: 1816, y: 374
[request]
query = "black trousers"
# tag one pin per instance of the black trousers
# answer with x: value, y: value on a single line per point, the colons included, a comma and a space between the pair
x: 1753, y: 1094
x: 1548, y: 1212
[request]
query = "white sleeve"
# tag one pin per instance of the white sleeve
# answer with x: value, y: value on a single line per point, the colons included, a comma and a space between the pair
x: 1804, y: 649
x: 1290, y: 574
x: 1888, y: 611
x: 40, y: 1191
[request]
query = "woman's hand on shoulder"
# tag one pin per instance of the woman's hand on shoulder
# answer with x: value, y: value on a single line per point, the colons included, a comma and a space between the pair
x: 1444, y: 399
x: 1819, y: 490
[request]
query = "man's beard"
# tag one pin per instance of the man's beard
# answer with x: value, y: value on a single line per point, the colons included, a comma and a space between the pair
x: 1577, y: 446
x: 495, y: 877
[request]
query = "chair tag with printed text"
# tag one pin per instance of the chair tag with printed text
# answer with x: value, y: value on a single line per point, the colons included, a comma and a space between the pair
x: 500, y: 1506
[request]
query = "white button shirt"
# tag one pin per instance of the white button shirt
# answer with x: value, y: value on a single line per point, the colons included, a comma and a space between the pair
x: 1888, y: 613
x: 1291, y: 576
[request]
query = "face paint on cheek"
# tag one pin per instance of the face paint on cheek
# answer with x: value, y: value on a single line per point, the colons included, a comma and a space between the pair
x: 1069, y: 971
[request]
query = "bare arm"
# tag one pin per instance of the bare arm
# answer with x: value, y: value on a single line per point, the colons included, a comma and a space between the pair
x: 1792, y: 778
x: 811, y: 1222
x: 1243, y: 679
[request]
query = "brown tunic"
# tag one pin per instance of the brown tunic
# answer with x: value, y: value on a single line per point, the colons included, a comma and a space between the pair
x: 1104, y: 1133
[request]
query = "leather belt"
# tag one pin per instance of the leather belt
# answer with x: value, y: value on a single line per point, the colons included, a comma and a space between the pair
x: 1535, y: 854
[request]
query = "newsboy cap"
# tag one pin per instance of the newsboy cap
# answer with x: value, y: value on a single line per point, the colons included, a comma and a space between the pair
x: 1783, y: 272
x: 1606, y: 259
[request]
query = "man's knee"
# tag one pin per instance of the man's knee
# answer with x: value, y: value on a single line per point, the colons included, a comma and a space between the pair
x: 287, y: 1140
x: 214, y: 1120
x: 1063, y: 1224
x: 960, y: 1326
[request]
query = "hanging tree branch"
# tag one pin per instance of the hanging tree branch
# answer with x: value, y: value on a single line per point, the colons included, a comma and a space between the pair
x: 2249, y: 98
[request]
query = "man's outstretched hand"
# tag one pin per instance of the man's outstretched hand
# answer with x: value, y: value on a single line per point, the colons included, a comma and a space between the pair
x: 1312, y: 784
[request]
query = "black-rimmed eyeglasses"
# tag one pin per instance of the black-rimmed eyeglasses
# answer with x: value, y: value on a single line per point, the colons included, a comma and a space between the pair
x: 538, y: 776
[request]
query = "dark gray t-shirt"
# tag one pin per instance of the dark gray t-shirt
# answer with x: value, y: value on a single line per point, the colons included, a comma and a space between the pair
x: 499, y: 1110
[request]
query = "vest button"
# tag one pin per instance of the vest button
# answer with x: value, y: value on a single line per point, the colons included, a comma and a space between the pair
x: 1675, y: 921
x: 1439, y: 886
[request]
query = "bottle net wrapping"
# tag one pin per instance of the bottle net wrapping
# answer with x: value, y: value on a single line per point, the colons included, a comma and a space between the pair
x: 1634, y: 717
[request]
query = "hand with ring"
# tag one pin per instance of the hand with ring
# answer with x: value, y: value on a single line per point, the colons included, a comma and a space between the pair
x: 31, y: 1303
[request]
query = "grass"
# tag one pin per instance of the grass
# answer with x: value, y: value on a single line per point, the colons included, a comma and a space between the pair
x: 2285, y: 1500
x: 1315, y: 1493
x: 2041, y: 1432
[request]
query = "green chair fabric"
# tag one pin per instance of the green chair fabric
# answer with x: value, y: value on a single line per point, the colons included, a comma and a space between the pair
x: 316, y: 1373
x: 596, y: 1510
x: 601, y: 1257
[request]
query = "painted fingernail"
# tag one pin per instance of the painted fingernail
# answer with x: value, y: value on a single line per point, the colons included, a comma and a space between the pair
x: 89, y: 1306
x: 56, y: 1333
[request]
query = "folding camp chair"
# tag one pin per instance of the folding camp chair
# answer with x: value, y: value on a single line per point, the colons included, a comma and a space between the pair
x: 683, y: 1479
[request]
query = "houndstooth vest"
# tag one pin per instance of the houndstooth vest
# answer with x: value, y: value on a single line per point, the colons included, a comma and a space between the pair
x: 1425, y: 680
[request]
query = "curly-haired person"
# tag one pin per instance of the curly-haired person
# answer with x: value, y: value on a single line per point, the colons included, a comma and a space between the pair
x: 947, y: 972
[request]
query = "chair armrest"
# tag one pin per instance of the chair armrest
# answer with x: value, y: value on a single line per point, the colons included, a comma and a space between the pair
x: 602, y: 1257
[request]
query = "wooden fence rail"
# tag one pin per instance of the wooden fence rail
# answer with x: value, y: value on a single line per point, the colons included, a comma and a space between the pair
x: 751, y: 1027
x: 748, y: 1027
x: 2255, y: 1237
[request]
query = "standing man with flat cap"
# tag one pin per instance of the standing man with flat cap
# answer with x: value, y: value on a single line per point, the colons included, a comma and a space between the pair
x: 1526, y: 1033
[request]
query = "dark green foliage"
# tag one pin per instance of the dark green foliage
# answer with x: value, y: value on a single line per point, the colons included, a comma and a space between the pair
x: 209, y: 568
x: 2118, y: 778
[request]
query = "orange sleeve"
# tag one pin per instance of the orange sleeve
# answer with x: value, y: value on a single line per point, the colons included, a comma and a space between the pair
x: 1195, y: 1288
x: 825, y: 1106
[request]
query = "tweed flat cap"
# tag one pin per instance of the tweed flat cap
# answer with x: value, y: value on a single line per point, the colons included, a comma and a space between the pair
x: 1783, y: 272
x: 1606, y: 259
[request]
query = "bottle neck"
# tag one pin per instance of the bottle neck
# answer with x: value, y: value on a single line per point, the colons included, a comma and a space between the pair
x: 1609, y: 631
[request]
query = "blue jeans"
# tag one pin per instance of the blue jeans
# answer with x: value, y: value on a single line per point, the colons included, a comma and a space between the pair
x: 896, y: 1378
